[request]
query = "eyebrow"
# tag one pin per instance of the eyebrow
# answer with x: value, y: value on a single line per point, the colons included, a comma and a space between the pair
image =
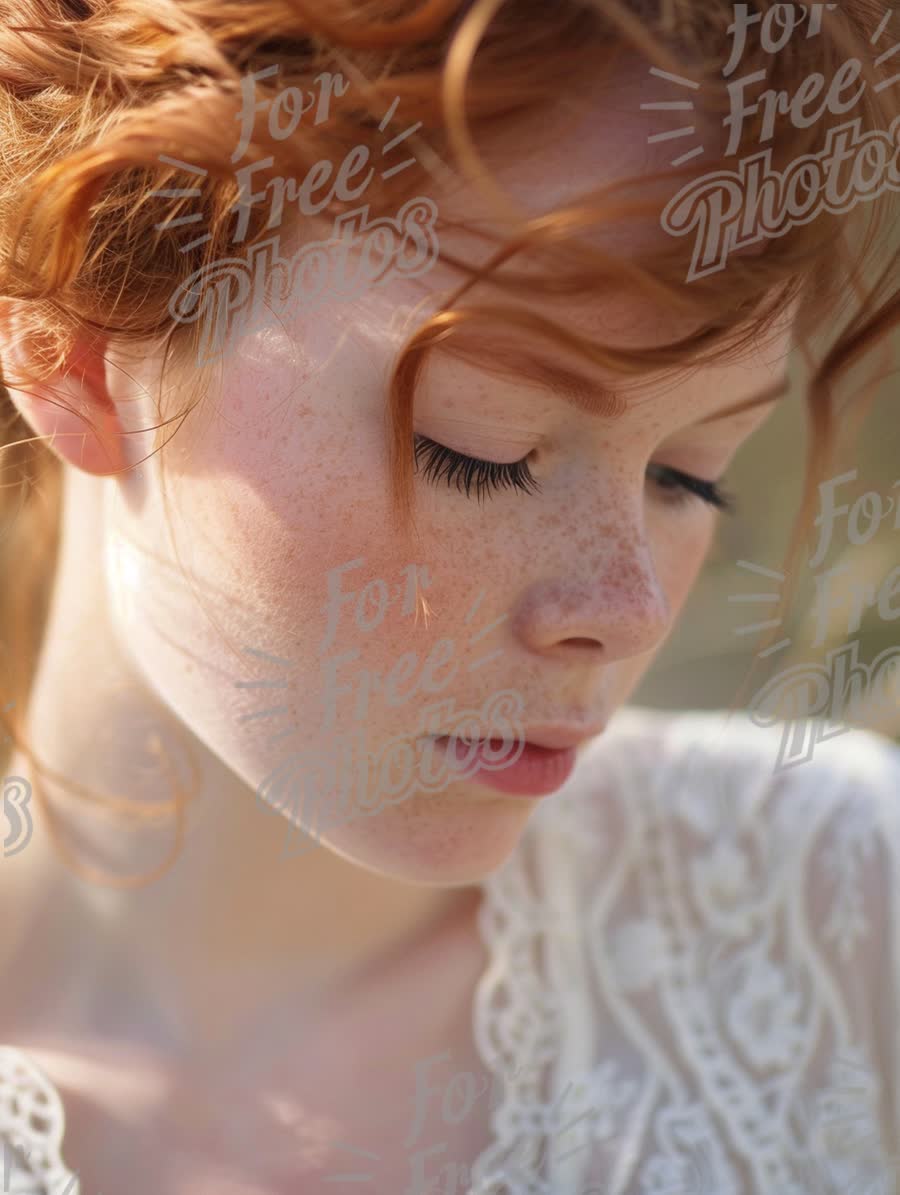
x: 777, y: 390
x: 576, y: 388
x: 597, y: 399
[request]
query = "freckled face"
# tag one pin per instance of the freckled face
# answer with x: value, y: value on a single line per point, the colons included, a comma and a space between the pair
x: 311, y: 637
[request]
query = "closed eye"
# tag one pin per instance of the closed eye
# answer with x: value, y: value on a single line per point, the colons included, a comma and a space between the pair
x: 684, y: 486
x: 443, y: 463
x: 489, y: 476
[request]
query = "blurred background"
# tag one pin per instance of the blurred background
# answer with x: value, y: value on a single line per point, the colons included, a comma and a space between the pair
x: 708, y: 657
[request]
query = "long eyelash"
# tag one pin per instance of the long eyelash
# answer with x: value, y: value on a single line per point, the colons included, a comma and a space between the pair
x: 489, y: 476
x: 688, y: 487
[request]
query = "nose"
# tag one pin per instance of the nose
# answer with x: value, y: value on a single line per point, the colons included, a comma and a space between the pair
x: 612, y: 606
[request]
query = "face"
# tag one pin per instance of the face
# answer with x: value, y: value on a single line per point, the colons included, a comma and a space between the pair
x: 289, y: 624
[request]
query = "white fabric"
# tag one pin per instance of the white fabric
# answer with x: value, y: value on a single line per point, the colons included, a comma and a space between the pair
x: 695, y: 961
x: 31, y: 1131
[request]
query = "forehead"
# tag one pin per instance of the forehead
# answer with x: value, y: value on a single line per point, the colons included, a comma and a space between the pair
x: 593, y: 134
x: 598, y: 134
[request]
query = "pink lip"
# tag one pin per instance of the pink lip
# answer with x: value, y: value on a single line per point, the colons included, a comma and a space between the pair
x: 534, y: 771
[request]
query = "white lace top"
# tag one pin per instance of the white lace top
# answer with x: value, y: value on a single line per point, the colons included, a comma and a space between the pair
x: 693, y: 979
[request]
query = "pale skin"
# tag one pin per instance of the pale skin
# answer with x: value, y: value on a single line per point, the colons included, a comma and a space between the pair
x: 240, y: 962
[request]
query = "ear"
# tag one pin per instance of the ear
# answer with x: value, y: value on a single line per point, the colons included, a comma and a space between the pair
x: 72, y: 411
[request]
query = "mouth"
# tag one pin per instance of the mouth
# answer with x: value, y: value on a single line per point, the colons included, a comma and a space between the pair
x: 562, y: 738
x: 546, y: 738
x: 533, y: 766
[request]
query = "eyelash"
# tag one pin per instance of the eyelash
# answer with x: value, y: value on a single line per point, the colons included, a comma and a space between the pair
x: 489, y: 477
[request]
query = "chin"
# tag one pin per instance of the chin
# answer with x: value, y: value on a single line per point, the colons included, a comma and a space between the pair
x: 452, y: 838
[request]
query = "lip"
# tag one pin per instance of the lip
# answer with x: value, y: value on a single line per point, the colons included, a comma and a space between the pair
x: 552, y: 737
x: 542, y: 760
x: 532, y: 771
x: 561, y: 738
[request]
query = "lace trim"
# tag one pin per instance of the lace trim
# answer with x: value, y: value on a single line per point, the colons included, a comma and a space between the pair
x: 532, y: 1006
x: 32, y: 1125
x: 524, y: 1016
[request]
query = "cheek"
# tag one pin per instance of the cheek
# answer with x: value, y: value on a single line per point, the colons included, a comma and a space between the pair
x: 301, y: 599
x: 681, y: 546
x: 261, y: 508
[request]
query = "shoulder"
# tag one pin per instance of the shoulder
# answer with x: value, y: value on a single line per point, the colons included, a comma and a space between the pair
x: 812, y: 811
x: 812, y: 806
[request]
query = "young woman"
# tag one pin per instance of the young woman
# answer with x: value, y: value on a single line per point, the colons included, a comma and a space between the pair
x: 336, y: 858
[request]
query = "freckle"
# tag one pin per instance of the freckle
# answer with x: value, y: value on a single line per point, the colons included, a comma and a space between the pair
x: 553, y: 521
